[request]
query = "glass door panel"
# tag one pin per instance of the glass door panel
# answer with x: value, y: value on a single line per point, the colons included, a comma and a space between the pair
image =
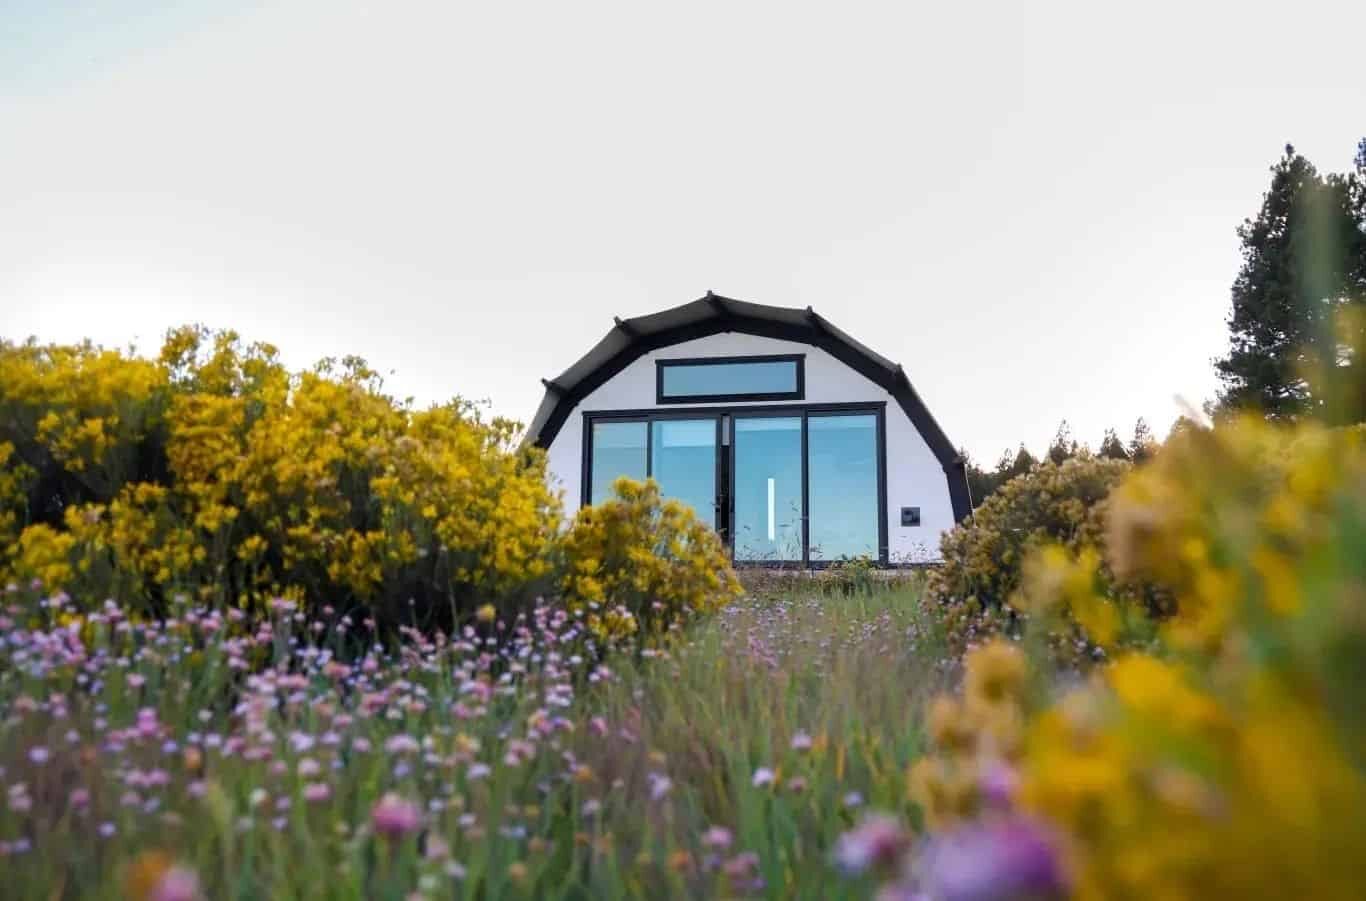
x: 842, y: 475
x: 618, y: 450
x: 683, y: 462
x: 768, y: 488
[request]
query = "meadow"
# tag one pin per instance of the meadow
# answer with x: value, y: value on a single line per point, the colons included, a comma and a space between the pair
x: 499, y: 763
x: 272, y: 635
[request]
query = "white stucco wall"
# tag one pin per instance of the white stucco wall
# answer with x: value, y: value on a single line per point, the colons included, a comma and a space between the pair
x: 915, y: 477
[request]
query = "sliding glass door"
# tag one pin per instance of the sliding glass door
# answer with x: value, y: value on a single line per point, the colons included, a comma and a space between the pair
x: 781, y: 484
x: 768, y: 488
x: 842, y: 471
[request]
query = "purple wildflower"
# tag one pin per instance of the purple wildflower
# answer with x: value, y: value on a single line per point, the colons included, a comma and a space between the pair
x: 877, y: 842
x: 317, y: 792
x: 178, y: 884
x: 718, y: 838
x: 994, y: 861
x: 393, y: 817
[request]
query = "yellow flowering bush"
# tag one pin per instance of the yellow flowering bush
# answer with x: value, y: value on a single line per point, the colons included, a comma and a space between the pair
x: 1227, y: 761
x: 1060, y: 505
x: 214, y: 470
x: 80, y: 416
x: 638, y: 563
x: 15, y: 480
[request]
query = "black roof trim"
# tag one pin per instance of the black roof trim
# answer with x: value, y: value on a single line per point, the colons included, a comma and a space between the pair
x: 631, y: 339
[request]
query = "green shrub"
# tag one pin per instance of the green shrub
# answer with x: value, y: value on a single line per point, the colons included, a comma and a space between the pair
x: 1056, y: 504
x: 853, y: 575
x: 639, y: 563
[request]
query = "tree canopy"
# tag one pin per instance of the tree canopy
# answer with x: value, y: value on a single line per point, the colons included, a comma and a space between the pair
x: 1298, y: 315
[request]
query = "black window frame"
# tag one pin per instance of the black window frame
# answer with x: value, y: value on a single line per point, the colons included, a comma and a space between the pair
x: 725, y: 417
x: 741, y: 396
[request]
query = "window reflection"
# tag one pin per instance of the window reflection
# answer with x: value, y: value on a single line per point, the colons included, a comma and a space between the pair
x: 842, y: 474
x: 684, y: 463
x: 755, y: 377
x: 618, y: 450
x: 768, y: 488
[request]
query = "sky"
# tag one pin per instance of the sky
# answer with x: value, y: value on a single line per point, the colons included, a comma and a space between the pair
x: 1032, y: 207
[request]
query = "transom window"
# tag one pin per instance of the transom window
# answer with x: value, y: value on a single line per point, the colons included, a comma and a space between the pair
x: 722, y: 379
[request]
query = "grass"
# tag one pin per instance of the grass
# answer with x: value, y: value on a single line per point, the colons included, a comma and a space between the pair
x: 516, y: 767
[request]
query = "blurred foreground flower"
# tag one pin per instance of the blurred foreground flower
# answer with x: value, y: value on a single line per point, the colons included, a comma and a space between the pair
x: 153, y: 876
x: 996, y: 860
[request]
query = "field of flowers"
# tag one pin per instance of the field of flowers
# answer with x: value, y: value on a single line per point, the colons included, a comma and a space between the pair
x: 197, y: 757
x: 272, y: 635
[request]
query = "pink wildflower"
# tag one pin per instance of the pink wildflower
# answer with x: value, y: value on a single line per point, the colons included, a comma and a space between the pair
x: 718, y: 838
x: 394, y: 817
x: 317, y: 792
x: 178, y: 884
x: 878, y: 841
x: 999, y: 785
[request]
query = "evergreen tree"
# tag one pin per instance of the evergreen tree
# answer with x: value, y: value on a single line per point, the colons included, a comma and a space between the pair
x: 1064, y: 446
x: 1112, y: 448
x: 1299, y: 296
x: 1143, y: 444
x: 1021, y: 463
x: 1183, y: 424
x: 982, y: 484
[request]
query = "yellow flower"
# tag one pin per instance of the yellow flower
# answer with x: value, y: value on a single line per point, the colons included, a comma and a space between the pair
x: 145, y: 873
x: 995, y: 673
x: 949, y: 727
x: 1160, y: 693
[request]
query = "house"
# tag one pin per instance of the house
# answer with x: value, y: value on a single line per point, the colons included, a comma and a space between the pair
x: 797, y: 442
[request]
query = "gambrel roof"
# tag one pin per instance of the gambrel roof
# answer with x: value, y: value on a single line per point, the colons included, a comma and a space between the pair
x: 630, y: 339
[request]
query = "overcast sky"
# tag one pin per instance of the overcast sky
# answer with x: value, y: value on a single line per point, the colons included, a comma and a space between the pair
x: 1031, y: 206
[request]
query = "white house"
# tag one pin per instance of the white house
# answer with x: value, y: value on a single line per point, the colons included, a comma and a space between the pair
x: 798, y: 443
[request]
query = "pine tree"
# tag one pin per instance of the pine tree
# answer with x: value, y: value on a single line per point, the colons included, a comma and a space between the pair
x: 1111, y: 447
x: 1064, y: 446
x: 1298, y: 297
x: 1022, y: 463
x: 982, y: 484
x: 1182, y: 425
x: 1143, y: 444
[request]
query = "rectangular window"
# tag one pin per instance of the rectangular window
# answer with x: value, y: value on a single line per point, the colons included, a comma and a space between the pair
x: 768, y: 488
x: 683, y: 462
x: 619, y: 449
x: 716, y: 379
x: 842, y: 473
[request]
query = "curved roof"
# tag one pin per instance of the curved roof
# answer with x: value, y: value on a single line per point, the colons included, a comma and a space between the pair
x: 713, y: 314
